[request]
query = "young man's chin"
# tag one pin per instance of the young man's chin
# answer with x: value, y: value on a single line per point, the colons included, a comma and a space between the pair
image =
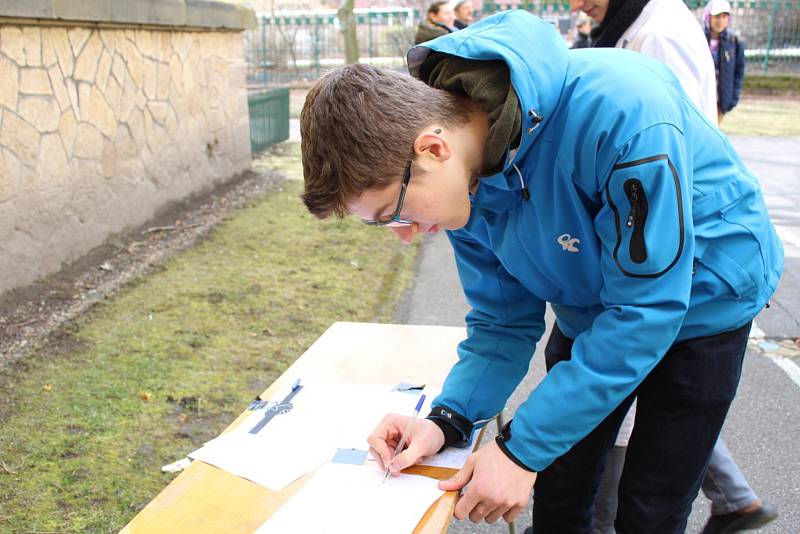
x: 453, y: 225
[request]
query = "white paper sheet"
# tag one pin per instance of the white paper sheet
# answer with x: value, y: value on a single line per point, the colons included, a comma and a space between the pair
x: 354, y: 499
x: 452, y: 457
x: 322, y: 418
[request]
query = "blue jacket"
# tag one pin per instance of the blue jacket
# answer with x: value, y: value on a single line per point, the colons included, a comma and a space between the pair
x: 729, y: 64
x: 643, y: 228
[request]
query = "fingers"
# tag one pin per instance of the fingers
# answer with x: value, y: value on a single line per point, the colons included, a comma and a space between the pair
x: 460, y: 479
x: 476, y: 515
x: 378, y: 459
x: 512, y: 513
x: 407, y: 458
x: 384, y: 436
x: 465, y: 507
x: 496, y: 514
x: 479, y: 512
x: 380, y: 451
x: 495, y: 487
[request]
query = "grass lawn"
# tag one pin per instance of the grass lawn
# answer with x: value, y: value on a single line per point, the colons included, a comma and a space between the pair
x: 768, y: 116
x: 165, y: 365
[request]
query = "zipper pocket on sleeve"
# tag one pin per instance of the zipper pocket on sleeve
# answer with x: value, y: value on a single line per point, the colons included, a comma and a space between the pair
x: 637, y: 217
x: 646, y: 204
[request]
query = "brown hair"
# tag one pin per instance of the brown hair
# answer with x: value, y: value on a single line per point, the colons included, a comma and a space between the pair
x: 434, y: 8
x: 358, y: 127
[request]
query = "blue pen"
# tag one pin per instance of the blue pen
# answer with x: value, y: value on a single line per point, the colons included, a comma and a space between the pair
x: 404, y: 436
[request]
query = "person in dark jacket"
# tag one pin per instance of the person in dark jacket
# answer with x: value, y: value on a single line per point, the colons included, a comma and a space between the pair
x: 463, y: 12
x: 438, y: 22
x: 583, y: 30
x: 728, y: 53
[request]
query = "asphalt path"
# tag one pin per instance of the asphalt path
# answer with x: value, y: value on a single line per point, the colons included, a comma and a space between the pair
x: 762, y: 429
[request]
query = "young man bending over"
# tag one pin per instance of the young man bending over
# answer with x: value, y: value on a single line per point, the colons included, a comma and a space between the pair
x: 585, y: 179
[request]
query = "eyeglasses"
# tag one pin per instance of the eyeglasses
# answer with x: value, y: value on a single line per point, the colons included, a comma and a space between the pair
x: 395, y: 219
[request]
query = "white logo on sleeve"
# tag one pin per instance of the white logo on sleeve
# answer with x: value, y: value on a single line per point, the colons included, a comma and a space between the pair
x: 568, y: 242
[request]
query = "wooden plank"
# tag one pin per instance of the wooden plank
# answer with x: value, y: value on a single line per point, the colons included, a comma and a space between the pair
x: 206, y: 499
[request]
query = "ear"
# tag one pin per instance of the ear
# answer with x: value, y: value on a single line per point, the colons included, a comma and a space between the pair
x: 433, y: 142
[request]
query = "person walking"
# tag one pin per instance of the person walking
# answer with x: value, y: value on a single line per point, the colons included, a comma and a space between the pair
x: 727, y: 50
x: 438, y: 21
x: 463, y: 12
x: 583, y: 30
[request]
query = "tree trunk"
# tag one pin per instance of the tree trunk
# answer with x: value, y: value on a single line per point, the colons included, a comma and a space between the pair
x: 348, y: 21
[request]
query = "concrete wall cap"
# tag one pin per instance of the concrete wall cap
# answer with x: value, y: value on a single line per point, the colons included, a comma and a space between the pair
x: 214, y: 14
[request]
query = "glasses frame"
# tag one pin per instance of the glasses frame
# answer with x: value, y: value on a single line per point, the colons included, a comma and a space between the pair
x: 395, y: 220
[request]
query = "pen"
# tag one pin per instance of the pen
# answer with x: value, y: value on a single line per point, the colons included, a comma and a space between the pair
x: 404, y: 436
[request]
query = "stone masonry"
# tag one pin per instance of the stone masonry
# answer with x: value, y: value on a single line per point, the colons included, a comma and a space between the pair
x: 102, y: 126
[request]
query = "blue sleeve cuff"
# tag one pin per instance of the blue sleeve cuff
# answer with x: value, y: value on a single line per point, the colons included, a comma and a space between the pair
x: 505, y: 435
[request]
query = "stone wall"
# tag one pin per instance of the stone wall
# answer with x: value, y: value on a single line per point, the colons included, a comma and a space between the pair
x: 102, y: 126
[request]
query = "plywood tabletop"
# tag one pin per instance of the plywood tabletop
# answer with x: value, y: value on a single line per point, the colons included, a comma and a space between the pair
x: 206, y: 499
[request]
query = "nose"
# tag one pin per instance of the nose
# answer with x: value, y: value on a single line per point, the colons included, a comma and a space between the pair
x: 575, y: 4
x: 405, y: 233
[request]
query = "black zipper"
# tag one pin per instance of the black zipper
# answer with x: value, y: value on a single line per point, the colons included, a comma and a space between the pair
x: 637, y: 218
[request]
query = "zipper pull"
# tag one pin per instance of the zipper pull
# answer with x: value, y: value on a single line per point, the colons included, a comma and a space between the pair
x: 633, y: 198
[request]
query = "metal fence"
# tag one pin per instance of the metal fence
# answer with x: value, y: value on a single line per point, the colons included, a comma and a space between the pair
x: 291, y: 46
x: 269, y: 117
x: 770, y: 30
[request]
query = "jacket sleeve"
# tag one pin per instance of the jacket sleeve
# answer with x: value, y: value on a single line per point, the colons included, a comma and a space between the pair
x: 503, y: 327
x: 738, y: 72
x: 646, y: 236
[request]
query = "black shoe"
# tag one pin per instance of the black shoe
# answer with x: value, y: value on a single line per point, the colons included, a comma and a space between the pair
x: 734, y: 521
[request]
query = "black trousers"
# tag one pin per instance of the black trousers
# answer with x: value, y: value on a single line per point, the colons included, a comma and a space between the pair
x: 681, y: 408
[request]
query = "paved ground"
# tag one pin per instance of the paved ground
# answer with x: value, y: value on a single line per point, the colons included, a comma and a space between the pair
x: 762, y: 429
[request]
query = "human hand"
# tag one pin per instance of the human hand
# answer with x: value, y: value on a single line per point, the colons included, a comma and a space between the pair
x: 497, y: 486
x: 424, y: 438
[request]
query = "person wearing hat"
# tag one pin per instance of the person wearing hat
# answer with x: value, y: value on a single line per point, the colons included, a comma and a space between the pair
x: 727, y: 50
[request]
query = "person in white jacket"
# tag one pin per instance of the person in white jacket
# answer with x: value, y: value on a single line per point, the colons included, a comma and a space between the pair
x: 666, y: 30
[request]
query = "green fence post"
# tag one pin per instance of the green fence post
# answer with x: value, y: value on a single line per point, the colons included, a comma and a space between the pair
x: 317, y: 65
x: 769, y: 35
x: 264, y: 49
x: 369, y: 33
x: 269, y: 117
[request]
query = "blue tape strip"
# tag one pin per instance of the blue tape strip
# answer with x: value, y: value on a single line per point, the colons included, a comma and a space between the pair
x: 350, y: 456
